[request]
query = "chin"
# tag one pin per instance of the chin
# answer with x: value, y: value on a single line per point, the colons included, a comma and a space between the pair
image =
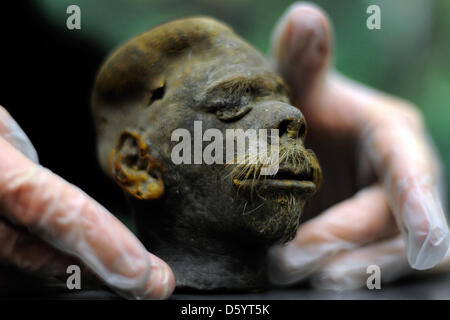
x: 275, y: 217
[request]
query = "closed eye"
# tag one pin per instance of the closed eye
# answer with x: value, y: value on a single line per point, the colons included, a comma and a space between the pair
x: 157, y: 94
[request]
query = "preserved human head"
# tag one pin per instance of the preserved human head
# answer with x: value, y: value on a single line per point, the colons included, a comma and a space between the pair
x: 194, y: 81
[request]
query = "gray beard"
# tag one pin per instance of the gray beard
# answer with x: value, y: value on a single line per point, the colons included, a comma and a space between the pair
x: 276, y: 218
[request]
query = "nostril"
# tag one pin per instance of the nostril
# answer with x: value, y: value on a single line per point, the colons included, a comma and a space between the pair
x: 283, y: 127
x: 293, y: 128
x: 302, y: 130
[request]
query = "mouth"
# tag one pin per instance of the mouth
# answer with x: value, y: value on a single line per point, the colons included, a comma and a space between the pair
x: 287, y: 179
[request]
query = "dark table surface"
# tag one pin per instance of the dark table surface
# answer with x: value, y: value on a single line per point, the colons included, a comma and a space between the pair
x: 433, y: 287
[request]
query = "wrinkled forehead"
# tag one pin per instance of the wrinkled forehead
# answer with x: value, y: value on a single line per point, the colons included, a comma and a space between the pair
x: 197, y: 50
x: 226, y: 57
x: 228, y: 65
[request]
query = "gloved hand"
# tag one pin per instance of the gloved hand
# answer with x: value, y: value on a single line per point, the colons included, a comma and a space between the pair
x: 47, y: 224
x: 382, y: 190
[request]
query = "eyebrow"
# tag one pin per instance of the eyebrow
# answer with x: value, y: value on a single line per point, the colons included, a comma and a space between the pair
x: 239, y: 85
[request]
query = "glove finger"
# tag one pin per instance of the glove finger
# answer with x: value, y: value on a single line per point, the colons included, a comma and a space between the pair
x: 394, y: 142
x: 351, y: 270
x: 355, y: 222
x: 300, y: 49
x: 13, y: 133
x: 405, y: 163
x: 29, y: 253
x: 71, y: 221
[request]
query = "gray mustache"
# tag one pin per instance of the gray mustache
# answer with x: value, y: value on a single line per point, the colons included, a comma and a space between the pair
x: 292, y: 157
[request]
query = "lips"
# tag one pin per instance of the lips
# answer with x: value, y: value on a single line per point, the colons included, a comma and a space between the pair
x: 289, y: 179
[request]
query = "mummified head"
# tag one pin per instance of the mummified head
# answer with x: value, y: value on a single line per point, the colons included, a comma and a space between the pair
x: 191, y: 70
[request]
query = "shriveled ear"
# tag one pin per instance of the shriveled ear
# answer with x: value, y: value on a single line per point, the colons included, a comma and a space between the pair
x: 134, y: 169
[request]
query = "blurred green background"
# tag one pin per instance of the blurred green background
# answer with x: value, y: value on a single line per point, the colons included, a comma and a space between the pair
x: 408, y: 57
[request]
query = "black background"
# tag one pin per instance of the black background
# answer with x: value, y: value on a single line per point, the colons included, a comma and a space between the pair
x: 46, y: 77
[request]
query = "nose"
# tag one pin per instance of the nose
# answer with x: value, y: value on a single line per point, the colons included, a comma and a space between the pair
x: 293, y: 128
x: 289, y: 121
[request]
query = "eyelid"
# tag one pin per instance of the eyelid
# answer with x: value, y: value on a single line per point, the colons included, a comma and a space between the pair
x: 233, y: 113
x: 265, y: 82
x: 157, y: 93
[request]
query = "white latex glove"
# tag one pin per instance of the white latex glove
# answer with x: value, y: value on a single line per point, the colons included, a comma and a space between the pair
x: 46, y: 224
x: 382, y: 187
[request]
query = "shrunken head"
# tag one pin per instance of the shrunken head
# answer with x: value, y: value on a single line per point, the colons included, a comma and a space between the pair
x: 198, y: 77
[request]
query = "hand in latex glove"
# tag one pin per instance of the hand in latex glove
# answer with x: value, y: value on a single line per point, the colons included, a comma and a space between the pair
x: 46, y: 224
x: 381, y: 191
